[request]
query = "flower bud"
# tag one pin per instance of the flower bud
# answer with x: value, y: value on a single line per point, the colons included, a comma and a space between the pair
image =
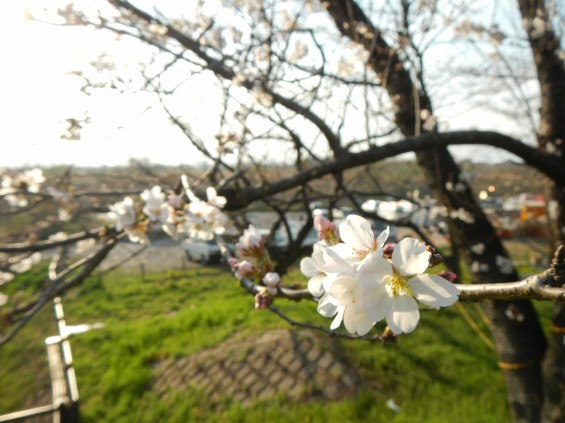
x: 322, y: 224
x: 272, y: 280
x: 262, y: 301
x: 448, y: 275
x: 245, y: 268
x: 388, y: 248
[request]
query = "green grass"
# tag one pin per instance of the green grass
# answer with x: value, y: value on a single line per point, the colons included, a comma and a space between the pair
x: 442, y: 372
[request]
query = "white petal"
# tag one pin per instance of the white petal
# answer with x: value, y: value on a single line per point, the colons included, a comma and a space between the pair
x: 433, y: 290
x: 410, y: 257
x: 373, y: 269
x: 377, y: 304
x: 356, y: 231
x: 342, y: 289
x: 318, y: 255
x: 338, y: 318
x: 308, y: 268
x: 381, y: 239
x: 315, y: 286
x: 403, y: 315
x: 327, y: 306
x: 334, y: 263
x: 357, y: 322
x: 328, y: 281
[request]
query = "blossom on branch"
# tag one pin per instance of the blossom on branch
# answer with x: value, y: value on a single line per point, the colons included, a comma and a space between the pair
x: 361, y: 284
x: 124, y: 216
x: 15, y: 187
x: 155, y: 208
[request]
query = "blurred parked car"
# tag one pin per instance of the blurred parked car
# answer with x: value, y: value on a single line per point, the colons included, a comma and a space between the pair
x: 203, y: 252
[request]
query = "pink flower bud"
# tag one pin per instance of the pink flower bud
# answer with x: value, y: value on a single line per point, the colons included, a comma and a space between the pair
x: 322, y: 224
x: 449, y: 275
x: 272, y: 279
x: 233, y: 262
x: 246, y: 268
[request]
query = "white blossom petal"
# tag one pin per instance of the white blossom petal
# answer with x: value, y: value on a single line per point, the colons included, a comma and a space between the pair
x: 410, y: 257
x: 433, y: 290
x: 381, y: 239
x: 308, y: 268
x: 356, y: 231
x: 355, y: 321
x: 315, y: 286
x: 327, y: 306
x: 338, y: 318
x: 342, y: 289
x: 403, y: 316
x: 373, y: 269
x: 377, y: 303
x: 335, y: 263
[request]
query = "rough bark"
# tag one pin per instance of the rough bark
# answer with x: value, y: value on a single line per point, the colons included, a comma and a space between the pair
x: 520, y: 342
x: 551, y: 138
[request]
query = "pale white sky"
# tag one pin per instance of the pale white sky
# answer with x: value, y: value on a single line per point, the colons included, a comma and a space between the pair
x: 37, y: 95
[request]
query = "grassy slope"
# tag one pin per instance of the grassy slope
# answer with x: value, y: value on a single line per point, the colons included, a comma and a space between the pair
x: 441, y: 372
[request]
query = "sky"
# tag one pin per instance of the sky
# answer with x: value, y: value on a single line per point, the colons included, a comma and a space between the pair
x: 38, y: 94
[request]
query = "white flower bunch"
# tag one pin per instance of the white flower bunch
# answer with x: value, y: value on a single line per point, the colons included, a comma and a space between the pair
x: 124, y: 216
x: 203, y: 219
x: 360, y: 283
x: 196, y: 218
x: 27, y: 181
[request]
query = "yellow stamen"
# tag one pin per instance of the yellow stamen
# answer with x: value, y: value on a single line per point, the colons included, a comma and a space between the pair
x: 397, y: 285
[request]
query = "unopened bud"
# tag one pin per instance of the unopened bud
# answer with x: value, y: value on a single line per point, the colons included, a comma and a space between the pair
x: 262, y: 301
x: 245, y: 268
x: 388, y: 248
x: 322, y: 224
x: 449, y: 275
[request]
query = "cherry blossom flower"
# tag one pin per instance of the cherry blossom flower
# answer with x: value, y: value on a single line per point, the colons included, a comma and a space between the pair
x: 358, y: 239
x: 3, y: 299
x: 122, y: 213
x: 401, y: 284
x: 252, y: 239
x: 155, y: 208
x: 362, y: 285
x: 26, y: 181
x: 203, y: 220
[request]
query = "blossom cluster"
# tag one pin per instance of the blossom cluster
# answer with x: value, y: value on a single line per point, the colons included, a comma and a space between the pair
x: 14, y: 187
x: 360, y: 280
x: 194, y: 218
x: 253, y: 262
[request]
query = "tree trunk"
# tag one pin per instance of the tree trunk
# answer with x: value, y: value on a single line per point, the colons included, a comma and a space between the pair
x: 551, y: 139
